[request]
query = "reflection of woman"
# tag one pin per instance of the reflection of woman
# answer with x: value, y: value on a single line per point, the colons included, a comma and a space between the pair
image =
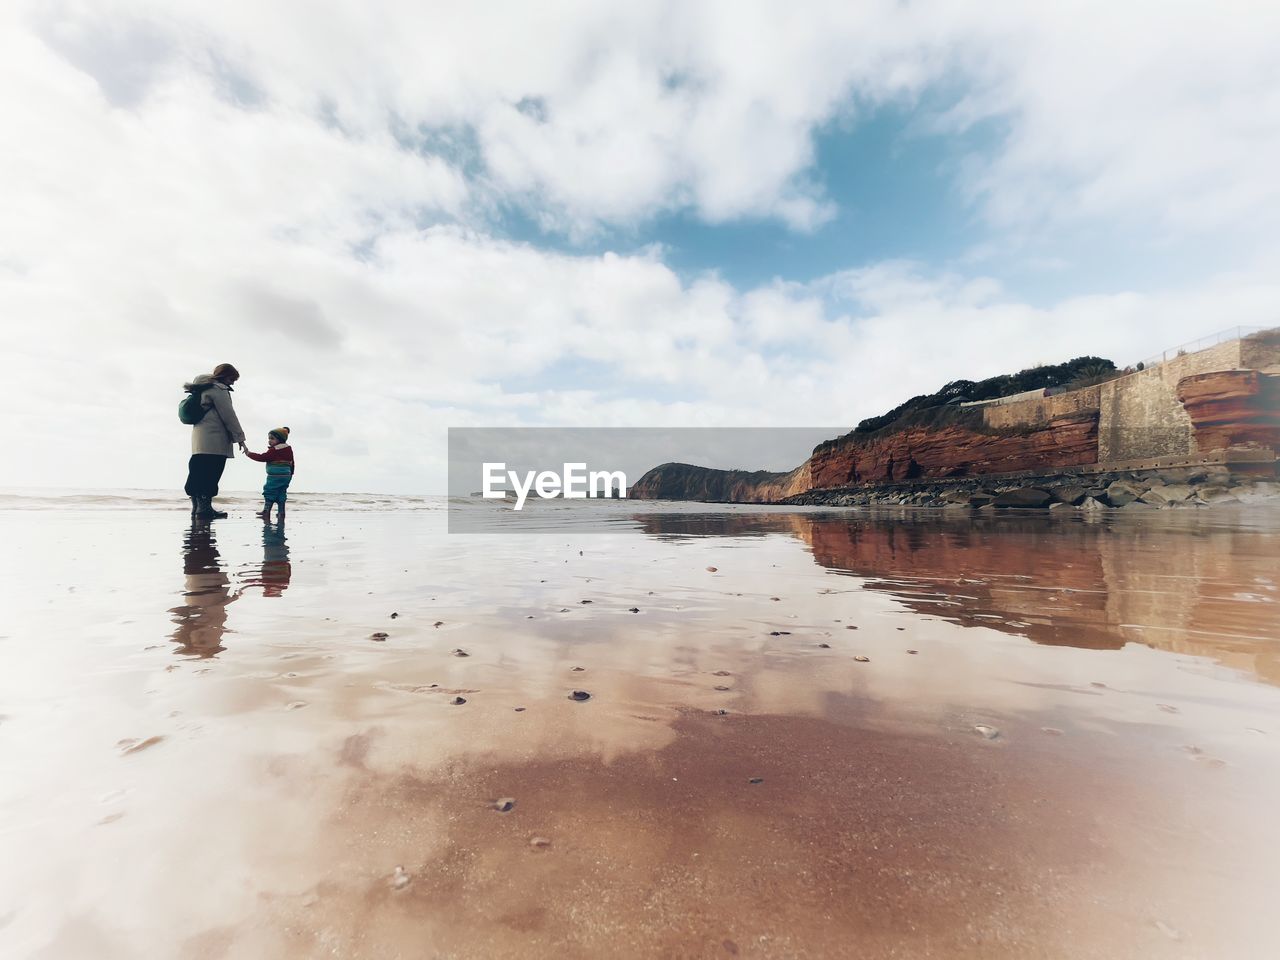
x: 202, y: 619
x: 274, y: 574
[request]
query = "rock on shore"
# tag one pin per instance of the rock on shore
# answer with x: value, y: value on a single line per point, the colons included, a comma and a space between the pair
x: 1133, y: 490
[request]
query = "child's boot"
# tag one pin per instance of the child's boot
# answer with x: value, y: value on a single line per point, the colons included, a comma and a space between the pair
x: 265, y: 512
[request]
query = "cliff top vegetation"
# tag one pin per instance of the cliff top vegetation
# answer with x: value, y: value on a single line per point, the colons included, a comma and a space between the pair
x: 1080, y: 372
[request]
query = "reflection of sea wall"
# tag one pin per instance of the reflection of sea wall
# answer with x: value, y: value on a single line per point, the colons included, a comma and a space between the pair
x: 976, y: 576
x: 1186, y: 407
x: 1180, y: 583
x: 1207, y: 591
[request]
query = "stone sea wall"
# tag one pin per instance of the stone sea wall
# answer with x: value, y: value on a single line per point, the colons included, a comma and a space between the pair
x: 1141, y: 416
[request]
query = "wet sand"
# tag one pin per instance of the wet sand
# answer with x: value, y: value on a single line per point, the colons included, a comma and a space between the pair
x: 1062, y: 738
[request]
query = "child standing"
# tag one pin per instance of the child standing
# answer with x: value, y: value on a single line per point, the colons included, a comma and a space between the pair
x: 279, y: 460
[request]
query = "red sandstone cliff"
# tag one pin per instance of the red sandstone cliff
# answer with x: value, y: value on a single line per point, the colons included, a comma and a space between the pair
x: 1233, y: 408
x: 954, y: 443
x: 950, y: 442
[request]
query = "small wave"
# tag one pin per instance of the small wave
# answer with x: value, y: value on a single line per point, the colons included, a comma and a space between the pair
x: 165, y: 501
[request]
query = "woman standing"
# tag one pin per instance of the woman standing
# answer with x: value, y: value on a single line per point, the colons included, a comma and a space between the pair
x: 212, y: 438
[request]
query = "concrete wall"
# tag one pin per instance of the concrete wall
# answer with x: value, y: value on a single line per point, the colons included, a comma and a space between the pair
x: 1011, y: 398
x: 1141, y: 416
x: 1041, y: 409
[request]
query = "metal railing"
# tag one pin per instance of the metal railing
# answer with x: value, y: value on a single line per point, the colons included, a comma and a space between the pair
x: 1181, y: 350
x: 1194, y: 346
x: 1008, y: 398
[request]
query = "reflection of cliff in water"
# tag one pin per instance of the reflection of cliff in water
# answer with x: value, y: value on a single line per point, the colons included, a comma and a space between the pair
x: 1198, y: 584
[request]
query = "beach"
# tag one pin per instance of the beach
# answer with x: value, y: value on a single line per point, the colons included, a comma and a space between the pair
x: 799, y: 732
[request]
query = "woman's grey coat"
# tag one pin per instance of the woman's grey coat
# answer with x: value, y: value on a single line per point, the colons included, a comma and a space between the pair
x: 219, y: 430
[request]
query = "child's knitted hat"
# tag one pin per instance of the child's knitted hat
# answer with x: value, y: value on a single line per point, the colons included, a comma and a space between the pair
x: 280, y: 433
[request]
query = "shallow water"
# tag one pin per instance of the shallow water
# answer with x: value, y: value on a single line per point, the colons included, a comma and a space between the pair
x: 1062, y: 738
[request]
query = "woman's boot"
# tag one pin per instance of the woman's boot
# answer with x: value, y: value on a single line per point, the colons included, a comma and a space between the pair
x: 195, y: 506
x: 206, y: 510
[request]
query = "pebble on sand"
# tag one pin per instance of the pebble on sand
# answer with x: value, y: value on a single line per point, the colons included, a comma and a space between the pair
x: 438, y: 623
x: 913, y: 652
x: 721, y: 687
x: 779, y: 633
x: 458, y: 701
x: 985, y: 731
x: 135, y: 746
x: 825, y: 646
x: 459, y: 652
x: 379, y: 636
x: 851, y: 627
x: 520, y: 709
x: 400, y: 879
x: 394, y: 615
x: 504, y: 804
x: 861, y: 659
x: 578, y: 669
x: 579, y: 695
x: 756, y: 780
x: 539, y: 843
x: 722, y: 673
x: 634, y: 610
x: 712, y: 569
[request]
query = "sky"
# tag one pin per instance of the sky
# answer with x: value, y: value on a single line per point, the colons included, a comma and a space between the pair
x: 400, y: 217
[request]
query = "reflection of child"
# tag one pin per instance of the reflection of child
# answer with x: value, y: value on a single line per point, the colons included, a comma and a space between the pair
x: 279, y: 460
x: 274, y: 575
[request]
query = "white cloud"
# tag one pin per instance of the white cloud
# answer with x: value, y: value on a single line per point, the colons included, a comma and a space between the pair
x: 304, y: 190
x: 589, y: 113
x: 1164, y: 112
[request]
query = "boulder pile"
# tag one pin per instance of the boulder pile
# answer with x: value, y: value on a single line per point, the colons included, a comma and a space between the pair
x: 1187, y: 487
